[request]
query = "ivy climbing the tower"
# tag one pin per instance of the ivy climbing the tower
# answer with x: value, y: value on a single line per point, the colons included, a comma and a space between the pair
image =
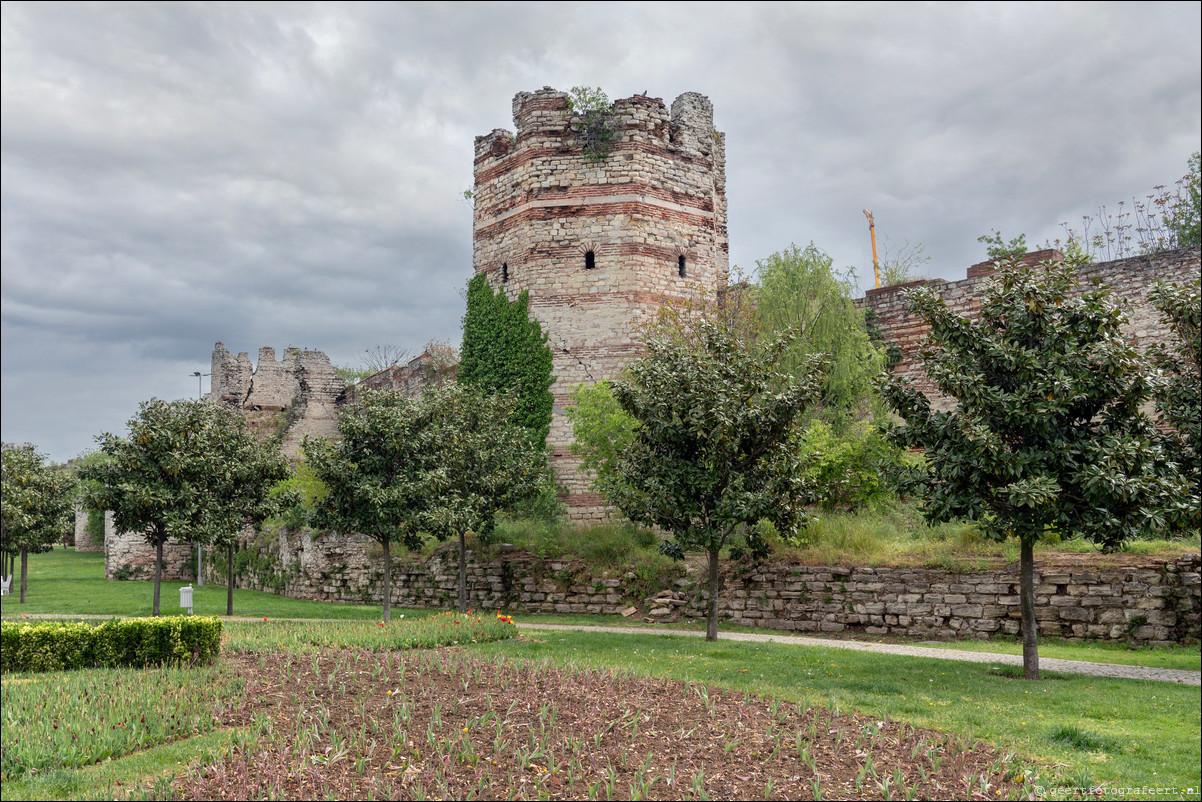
x: 505, y: 351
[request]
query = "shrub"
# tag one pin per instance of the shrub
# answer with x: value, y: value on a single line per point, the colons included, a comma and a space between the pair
x: 131, y: 642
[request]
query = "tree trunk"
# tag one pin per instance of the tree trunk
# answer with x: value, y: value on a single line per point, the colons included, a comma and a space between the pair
x: 1026, y: 571
x: 711, y: 626
x: 462, y: 574
x: 24, y: 572
x: 158, y: 572
x: 229, y: 581
x: 387, y: 580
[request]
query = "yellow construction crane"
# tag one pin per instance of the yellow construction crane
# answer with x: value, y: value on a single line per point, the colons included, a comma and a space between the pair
x: 876, y: 265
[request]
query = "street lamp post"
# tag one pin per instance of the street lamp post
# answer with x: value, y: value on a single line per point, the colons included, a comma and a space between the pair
x: 200, y: 578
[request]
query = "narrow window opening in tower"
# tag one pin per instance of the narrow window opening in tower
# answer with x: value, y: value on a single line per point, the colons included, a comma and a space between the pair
x: 505, y: 273
x: 680, y: 265
x: 590, y: 260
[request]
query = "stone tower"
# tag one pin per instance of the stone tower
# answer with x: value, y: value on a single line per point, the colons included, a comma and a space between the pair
x: 599, y: 243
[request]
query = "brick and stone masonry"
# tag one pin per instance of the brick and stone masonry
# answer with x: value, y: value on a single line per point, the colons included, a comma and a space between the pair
x: 599, y: 244
x: 1129, y: 279
x: 1139, y: 599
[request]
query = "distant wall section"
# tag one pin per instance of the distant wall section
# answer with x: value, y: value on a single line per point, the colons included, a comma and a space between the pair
x: 1130, y: 279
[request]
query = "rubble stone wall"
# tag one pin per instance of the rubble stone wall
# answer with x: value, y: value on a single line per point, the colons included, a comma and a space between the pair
x: 599, y: 243
x: 1130, y: 279
x: 1143, y: 600
x: 127, y: 555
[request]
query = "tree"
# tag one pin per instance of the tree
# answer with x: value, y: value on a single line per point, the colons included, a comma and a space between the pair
x: 997, y: 248
x: 241, y: 495
x: 601, y: 430
x: 1048, y: 433
x: 373, y: 475
x: 800, y: 290
x: 505, y: 351
x: 38, y: 504
x: 164, y: 479
x: 404, y: 470
x: 715, y: 447
x: 479, y: 464
x: 1179, y: 398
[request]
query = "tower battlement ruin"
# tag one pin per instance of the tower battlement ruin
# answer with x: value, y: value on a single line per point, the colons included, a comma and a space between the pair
x: 599, y: 241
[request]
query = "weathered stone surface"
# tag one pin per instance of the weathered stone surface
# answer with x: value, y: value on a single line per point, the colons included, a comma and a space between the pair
x: 343, y: 568
x: 600, y: 244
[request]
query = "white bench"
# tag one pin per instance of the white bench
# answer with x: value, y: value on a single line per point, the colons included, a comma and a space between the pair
x: 6, y: 585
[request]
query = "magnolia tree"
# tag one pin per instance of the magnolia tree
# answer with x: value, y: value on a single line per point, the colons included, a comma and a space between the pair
x: 714, y: 449
x: 1179, y: 396
x: 1047, y: 433
x: 36, y: 506
x: 181, y: 472
x: 405, y: 470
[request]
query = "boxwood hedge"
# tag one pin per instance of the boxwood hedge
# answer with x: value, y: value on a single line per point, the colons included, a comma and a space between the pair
x: 130, y: 642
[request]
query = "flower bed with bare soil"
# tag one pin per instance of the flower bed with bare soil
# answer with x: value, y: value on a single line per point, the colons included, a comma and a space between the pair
x: 452, y: 724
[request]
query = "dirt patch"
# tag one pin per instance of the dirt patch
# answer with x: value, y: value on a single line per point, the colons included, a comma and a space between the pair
x: 453, y: 724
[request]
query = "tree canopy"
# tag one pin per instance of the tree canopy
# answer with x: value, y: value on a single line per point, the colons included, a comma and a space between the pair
x: 1047, y: 433
x: 36, y: 505
x: 404, y: 470
x: 715, y: 448
x: 171, y: 476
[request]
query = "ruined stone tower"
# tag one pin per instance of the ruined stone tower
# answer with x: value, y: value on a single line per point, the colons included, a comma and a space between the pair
x: 599, y: 243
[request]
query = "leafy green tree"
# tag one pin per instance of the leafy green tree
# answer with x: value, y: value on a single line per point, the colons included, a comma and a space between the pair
x: 373, y: 475
x: 1048, y: 433
x: 478, y: 464
x: 166, y: 478
x: 505, y: 351
x: 715, y: 450
x: 404, y: 470
x: 998, y: 248
x: 601, y: 429
x: 799, y: 289
x: 241, y: 493
x: 595, y: 129
x: 1179, y: 398
x: 37, y: 506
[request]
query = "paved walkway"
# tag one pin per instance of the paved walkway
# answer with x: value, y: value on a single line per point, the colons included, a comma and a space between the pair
x: 1181, y: 676
x: 1177, y: 675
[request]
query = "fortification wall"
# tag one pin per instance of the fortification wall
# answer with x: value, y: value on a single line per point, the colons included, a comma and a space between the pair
x: 410, y: 379
x: 600, y: 244
x: 127, y: 555
x: 1134, y: 598
x: 1130, y: 279
x: 299, y: 394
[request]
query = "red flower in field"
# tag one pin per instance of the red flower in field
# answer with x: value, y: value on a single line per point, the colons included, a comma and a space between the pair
x: 264, y: 618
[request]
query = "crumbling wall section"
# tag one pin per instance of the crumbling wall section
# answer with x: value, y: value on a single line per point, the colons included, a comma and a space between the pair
x: 295, y: 397
x: 600, y: 242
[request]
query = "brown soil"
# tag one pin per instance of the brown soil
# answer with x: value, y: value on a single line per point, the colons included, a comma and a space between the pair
x: 449, y: 724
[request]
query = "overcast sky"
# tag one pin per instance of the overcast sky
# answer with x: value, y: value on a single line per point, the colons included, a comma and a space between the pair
x: 292, y: 174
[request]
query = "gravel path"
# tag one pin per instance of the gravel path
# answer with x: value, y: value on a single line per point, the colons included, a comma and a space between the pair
x: 1180, y: 676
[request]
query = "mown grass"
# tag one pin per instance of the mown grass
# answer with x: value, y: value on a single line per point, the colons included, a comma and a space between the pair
x: 65, y: 582
x: 147, y: 773
x: 1147, y: 732
x: 423, y: 630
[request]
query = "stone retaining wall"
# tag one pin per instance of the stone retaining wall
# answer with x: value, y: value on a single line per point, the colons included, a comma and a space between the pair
x: 1142, y: 599
x: 128, y: 556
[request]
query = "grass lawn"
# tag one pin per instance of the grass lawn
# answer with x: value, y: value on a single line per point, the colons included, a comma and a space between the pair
x: 70, y: 583
x: 1125, y: 733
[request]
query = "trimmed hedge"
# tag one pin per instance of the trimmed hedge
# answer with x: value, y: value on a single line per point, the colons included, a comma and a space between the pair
x: 129, y: 642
